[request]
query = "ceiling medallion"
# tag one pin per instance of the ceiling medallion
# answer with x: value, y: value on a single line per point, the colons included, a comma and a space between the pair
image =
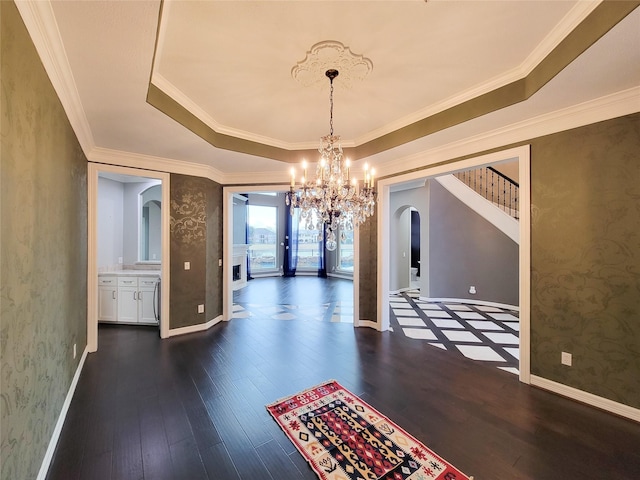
x: 327, y: 55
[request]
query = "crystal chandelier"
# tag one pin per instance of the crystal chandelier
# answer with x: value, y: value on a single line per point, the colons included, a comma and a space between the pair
x: 338, y: 201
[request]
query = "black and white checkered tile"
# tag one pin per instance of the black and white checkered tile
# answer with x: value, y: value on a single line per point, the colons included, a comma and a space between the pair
x: 484, y: 333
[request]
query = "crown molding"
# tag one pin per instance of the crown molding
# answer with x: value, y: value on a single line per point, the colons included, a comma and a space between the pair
x: 570, y: 21
x: 580, y: 11
x: 258, y: 178
x: 41, y: 24
x: 604, y: 108
x: 159, y: 164
x: 611, y: 106
x: 169, y: 89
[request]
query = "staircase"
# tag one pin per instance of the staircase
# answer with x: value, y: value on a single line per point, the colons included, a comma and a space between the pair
x: 493, y: 186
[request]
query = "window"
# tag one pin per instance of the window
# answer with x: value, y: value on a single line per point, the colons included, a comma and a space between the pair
x: 309, y: 243
x: 263, y: 238
x: 345, y: 251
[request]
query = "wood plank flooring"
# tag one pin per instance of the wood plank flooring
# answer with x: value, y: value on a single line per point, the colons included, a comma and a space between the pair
x: 301, y: 290
x: 192, y: 407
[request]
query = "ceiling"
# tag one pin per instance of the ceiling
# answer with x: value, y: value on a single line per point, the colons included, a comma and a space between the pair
x: 138, y: 78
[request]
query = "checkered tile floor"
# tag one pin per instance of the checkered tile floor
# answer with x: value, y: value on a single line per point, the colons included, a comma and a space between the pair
x: 482, y: 333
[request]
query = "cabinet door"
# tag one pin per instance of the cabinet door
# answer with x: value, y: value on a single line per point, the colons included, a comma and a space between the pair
x: 128, y: 300
x: 146, y: 302
x: 107, y: 303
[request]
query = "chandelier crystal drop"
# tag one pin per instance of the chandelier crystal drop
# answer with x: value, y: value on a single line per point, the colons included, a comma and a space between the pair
x: 339, y: 202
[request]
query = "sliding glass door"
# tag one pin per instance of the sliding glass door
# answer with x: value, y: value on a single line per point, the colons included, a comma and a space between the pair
x: 263, y: 243
x: 309, y: 242
x: 345, y: 252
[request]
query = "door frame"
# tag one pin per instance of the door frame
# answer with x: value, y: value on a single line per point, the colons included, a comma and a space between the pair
x: 94, y: 169
x: 523, y: 156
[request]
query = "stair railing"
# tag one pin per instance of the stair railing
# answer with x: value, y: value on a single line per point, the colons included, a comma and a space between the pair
x: 494, y: 186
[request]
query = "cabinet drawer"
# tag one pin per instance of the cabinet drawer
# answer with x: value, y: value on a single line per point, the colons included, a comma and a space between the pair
x: 107, y: 281
x: 147, y: 281
x: 128, y: 281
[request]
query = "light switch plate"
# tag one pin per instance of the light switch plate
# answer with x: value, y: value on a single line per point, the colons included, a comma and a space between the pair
x: 187, y: 265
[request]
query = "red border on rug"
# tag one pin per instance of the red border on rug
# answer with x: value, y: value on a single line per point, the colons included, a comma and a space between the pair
x: 342, y: 437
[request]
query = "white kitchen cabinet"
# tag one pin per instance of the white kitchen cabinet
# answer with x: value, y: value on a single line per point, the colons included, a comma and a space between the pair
x: 127, y: 298
x: 108, y: 298
x: 146, y: 301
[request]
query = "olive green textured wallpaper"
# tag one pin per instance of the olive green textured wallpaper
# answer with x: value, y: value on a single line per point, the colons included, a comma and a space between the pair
x: 188, y: 244
x: 585, y: 261
x: 368, y: 264
x: 196, y: 237
x: 43, y: 255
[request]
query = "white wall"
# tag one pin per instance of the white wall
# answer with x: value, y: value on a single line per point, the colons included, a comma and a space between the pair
x: 400, y: 236
x: 110, y: 211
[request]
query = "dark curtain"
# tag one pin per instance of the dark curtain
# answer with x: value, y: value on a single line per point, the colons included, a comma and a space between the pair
x: 246, y: 241
x: 322, y: 258
x: 290, y: 263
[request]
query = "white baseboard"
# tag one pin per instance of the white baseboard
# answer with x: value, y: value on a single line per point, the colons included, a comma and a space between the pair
x: 470, y: 301
x: 400, y: 290
x: 367, y: 323
x: 48, y: 456
x: 195, y: 328
x: 343, y: 276
x: 588, y: 398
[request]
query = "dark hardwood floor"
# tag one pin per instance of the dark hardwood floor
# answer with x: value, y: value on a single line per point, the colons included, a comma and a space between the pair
x: 299, y: 290
x: 193, y: 407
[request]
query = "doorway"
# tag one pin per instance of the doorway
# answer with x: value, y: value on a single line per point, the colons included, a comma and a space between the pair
x: 238, y: 248
x: 385, y: 186
x: 149, y: 228
x: 470, y: 306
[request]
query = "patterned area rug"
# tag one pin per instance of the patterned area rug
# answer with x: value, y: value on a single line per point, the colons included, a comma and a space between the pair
x: 343, y: 438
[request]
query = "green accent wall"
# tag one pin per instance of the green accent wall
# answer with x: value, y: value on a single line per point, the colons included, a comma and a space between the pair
x: 43, y: 252
x: 585, y: 292
x: 196, y: 237
x: 368, y: 265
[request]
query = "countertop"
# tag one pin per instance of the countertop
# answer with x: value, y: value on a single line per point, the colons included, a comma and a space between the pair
x: 131, y: 273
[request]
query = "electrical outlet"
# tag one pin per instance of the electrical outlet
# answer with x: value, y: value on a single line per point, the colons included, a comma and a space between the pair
x: 472, y: 290
x: 201, y: 308
x: 74, y: 351
x: 120, y: 260
x: 565, y: 359
x: 219, y: 262
x: 187, y: 265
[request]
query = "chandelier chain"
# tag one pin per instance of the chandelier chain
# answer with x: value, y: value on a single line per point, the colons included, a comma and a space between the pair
x: 331, y: 107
